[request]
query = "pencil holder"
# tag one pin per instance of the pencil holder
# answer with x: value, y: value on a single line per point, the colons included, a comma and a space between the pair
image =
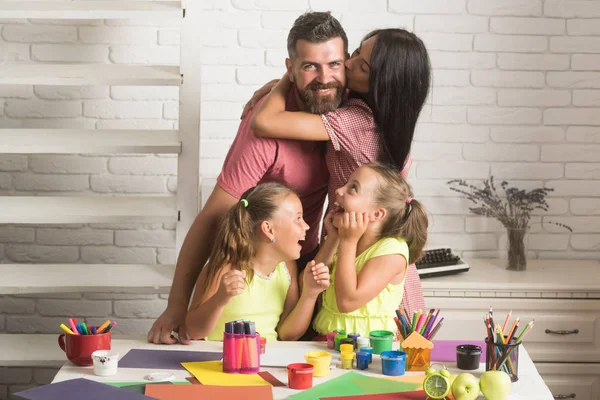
x: 503, y: 357
x: 417, y: 359
x: 241, y: 353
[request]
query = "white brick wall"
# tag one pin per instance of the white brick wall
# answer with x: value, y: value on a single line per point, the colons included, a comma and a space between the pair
x: 516, y: 94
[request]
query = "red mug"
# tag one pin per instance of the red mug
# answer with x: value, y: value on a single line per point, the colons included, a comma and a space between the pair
x: 79, y: 348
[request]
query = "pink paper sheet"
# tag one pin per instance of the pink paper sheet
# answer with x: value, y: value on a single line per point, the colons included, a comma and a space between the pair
x: 445, y: 350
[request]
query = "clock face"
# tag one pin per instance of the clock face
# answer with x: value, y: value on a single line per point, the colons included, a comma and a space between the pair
x: 436, y: 386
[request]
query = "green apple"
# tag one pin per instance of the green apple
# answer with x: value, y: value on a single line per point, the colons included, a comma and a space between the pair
x: 495, y: 385
x: 465, y: 387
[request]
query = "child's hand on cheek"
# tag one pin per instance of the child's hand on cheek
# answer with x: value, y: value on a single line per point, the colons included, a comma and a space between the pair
x: 332, y: 232
x: 352, y: 225
x: 315, y: 278
x: 232, y: 284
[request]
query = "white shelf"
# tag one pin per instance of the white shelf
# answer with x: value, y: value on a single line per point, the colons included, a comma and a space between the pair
x: 91, y: 9
x: 85, y: 278
x: 490, y: 278
x: 72, y: 141
x: 31, y: 350
x: 87, y: 209
x: 89, y: 74
x: 41, y: 350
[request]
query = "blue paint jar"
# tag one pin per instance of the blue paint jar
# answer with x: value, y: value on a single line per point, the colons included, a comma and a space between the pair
x: 393, y: 363
x: 369, y: 351
x: 354, y: 336
x: 362, y: 360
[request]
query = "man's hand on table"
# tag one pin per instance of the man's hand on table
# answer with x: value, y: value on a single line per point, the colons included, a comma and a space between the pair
x: 172, y: 319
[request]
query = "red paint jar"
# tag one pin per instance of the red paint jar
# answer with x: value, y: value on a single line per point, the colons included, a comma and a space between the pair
x: 300, y: 375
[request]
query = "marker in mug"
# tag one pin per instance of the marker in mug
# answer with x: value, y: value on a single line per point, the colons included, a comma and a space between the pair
x: 64, y: 328
x: 109, y: 327
x: 73, y: 325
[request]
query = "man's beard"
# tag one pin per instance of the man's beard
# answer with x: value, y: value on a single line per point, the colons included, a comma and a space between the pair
x: 321, y: 104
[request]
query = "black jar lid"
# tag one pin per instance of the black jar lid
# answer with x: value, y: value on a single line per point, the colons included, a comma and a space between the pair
x: 468, y: 349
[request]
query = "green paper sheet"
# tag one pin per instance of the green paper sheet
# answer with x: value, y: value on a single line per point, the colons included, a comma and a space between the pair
x: 353, y: 384
x: 371, y: 385
x: 340, y: 386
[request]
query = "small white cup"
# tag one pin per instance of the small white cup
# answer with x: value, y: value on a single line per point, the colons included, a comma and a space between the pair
x: 105, y: 362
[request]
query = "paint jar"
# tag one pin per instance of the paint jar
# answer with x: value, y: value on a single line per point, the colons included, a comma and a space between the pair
x: 369, y: 351
x: 347, y: 340
x: 321, y: 360
x: 263, y: 345
x: 331, y: 340
x: 300, y: 376
x: 362, y: 341
x: 341, y: 332
x: 337, y: 339
x: 393, y: 363
x: 346, y: 348
x: 347, y: 360
x: 381, y: 341
x: 354, y: 336
x: 362, y: 360
x: 468, y: 356
x: 105, y: 362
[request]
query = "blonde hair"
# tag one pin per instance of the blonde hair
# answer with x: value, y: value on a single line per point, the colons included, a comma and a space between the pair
x: 234, y: 243
x: 405, y: 219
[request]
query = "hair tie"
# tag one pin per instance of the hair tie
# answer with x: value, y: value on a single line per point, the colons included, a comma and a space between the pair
x: 408, y: 200
x: 244, y: 202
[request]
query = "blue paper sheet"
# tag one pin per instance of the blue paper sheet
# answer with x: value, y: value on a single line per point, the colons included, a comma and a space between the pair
x: 78, y: 389
x: 165, y: 359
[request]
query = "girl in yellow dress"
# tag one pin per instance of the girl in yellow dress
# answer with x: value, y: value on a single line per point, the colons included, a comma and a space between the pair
x: 374, y: 231
x: 248, y: 275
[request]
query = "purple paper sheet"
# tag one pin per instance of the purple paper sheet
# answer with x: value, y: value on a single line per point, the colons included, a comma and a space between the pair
x: 445, y: 350
x: 77, y: 389
x: 164, y: 359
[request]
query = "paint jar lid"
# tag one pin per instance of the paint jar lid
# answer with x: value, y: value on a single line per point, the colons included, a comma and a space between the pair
x: 393, y: 354
x: 468, y: 349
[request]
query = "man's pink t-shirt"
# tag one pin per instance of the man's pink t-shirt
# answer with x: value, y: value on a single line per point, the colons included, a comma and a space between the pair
x: 300, y: 165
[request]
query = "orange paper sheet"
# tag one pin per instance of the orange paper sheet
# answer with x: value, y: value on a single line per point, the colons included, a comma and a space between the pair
x: 179, y: 392
x: 211, y: 373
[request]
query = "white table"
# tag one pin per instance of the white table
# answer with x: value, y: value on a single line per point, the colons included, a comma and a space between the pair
x: 530, y: 385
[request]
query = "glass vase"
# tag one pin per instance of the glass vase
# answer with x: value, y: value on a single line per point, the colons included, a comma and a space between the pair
x: 516, y: 249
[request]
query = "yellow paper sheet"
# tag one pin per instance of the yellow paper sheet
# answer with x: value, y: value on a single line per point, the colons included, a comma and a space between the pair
x: 211, y: 373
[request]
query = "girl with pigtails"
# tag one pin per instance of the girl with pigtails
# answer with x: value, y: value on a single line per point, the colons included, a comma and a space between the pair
x: 247, y: 276
x: 375, y: 230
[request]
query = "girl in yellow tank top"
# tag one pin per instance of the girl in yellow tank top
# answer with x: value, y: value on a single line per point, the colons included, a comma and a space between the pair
x: 246, y: 276
x: 374, y: 230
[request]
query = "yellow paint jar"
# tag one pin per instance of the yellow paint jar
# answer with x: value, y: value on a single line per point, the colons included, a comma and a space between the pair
x: 321, y: 360
x: 347, y: 360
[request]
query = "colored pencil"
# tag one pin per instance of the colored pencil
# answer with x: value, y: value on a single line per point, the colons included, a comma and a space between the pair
x: 506, y: 321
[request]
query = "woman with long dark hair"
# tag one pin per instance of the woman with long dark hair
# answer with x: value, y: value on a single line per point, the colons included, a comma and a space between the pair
x: 388, y: 77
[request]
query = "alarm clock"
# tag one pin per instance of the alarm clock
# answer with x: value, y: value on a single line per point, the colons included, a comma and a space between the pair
x: 437, y: 384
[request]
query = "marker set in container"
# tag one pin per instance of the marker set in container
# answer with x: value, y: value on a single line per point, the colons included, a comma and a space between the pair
x: 241, y: 348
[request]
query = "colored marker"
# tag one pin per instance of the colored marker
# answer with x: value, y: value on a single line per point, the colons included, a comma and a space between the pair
x: 64, y: 328
x: 102, y: 327
x: 94, y: 331
x: 108, y: 328
x: 84, y: 328
x: 73, y: 326
x: 238, y: 330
